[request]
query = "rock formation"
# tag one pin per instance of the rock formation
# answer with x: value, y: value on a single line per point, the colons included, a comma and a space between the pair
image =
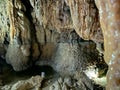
x: 109, y: 19
x: 85, y: 19
x: 67, y: 84
x: 34, y: 83
x: 20, y: 37
x: 45, y: 31
x: 37, y: 26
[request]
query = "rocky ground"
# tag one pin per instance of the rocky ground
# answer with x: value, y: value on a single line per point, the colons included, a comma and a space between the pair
x: 66, y: 83
x: 45, y: 78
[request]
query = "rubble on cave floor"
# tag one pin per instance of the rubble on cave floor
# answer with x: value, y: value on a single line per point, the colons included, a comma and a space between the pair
x: 59, y: 83
x: 33, y: 83
x: 44, y: 78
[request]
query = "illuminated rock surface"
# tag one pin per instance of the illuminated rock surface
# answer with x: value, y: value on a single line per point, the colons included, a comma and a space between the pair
x: 35, y: 26
x: 53, y: 33
x: 34, y: 83
x: 85, y: 19
x: 110, y: 19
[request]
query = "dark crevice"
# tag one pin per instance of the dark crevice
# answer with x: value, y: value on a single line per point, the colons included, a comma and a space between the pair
x: 29, y: 9
x: 45, y: 36
x: 28, y: 12
x: 37, y: 71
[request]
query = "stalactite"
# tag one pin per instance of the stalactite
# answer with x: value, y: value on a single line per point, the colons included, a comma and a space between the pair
x: 85, y: 19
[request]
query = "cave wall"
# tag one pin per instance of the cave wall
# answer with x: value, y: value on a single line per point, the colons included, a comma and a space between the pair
x: 45, y: 31
x: 110, y: 19
x: 4, y: 26
x: 85, y: 19
x: 34, y: 27
x: 22, y: 38
x: 31, y: 29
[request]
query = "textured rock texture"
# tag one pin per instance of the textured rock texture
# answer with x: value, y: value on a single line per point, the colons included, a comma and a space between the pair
x: 85, y: 19
x: 74, y: 55
x: 4, y: 26
x: 51, y: 14
x: 46, y: 29
x: 33, y: 29
x: 68, y: 83
x: 20, y: 36
x: 34, y: 83
x: 110, y: 20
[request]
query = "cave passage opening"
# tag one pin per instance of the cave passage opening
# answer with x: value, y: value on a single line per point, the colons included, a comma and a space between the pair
x: 8, y: 75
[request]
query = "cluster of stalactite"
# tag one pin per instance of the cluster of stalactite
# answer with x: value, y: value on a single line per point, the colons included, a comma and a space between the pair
x: 33, y: 27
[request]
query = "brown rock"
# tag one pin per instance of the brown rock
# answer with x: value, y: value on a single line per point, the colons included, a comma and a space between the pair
x: 85, y: 19
x: 110, y: 19
x: 34, y: 83
x: 20, y: 37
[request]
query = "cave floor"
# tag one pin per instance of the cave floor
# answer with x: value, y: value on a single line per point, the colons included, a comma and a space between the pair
x: 9, y: 77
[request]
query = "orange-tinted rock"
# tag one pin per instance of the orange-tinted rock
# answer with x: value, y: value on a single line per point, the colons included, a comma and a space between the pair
x: 85, y: 19
x: 43, y: 22
x: 21, y: 39
x: 52, y: 14
x: 110, y: 23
